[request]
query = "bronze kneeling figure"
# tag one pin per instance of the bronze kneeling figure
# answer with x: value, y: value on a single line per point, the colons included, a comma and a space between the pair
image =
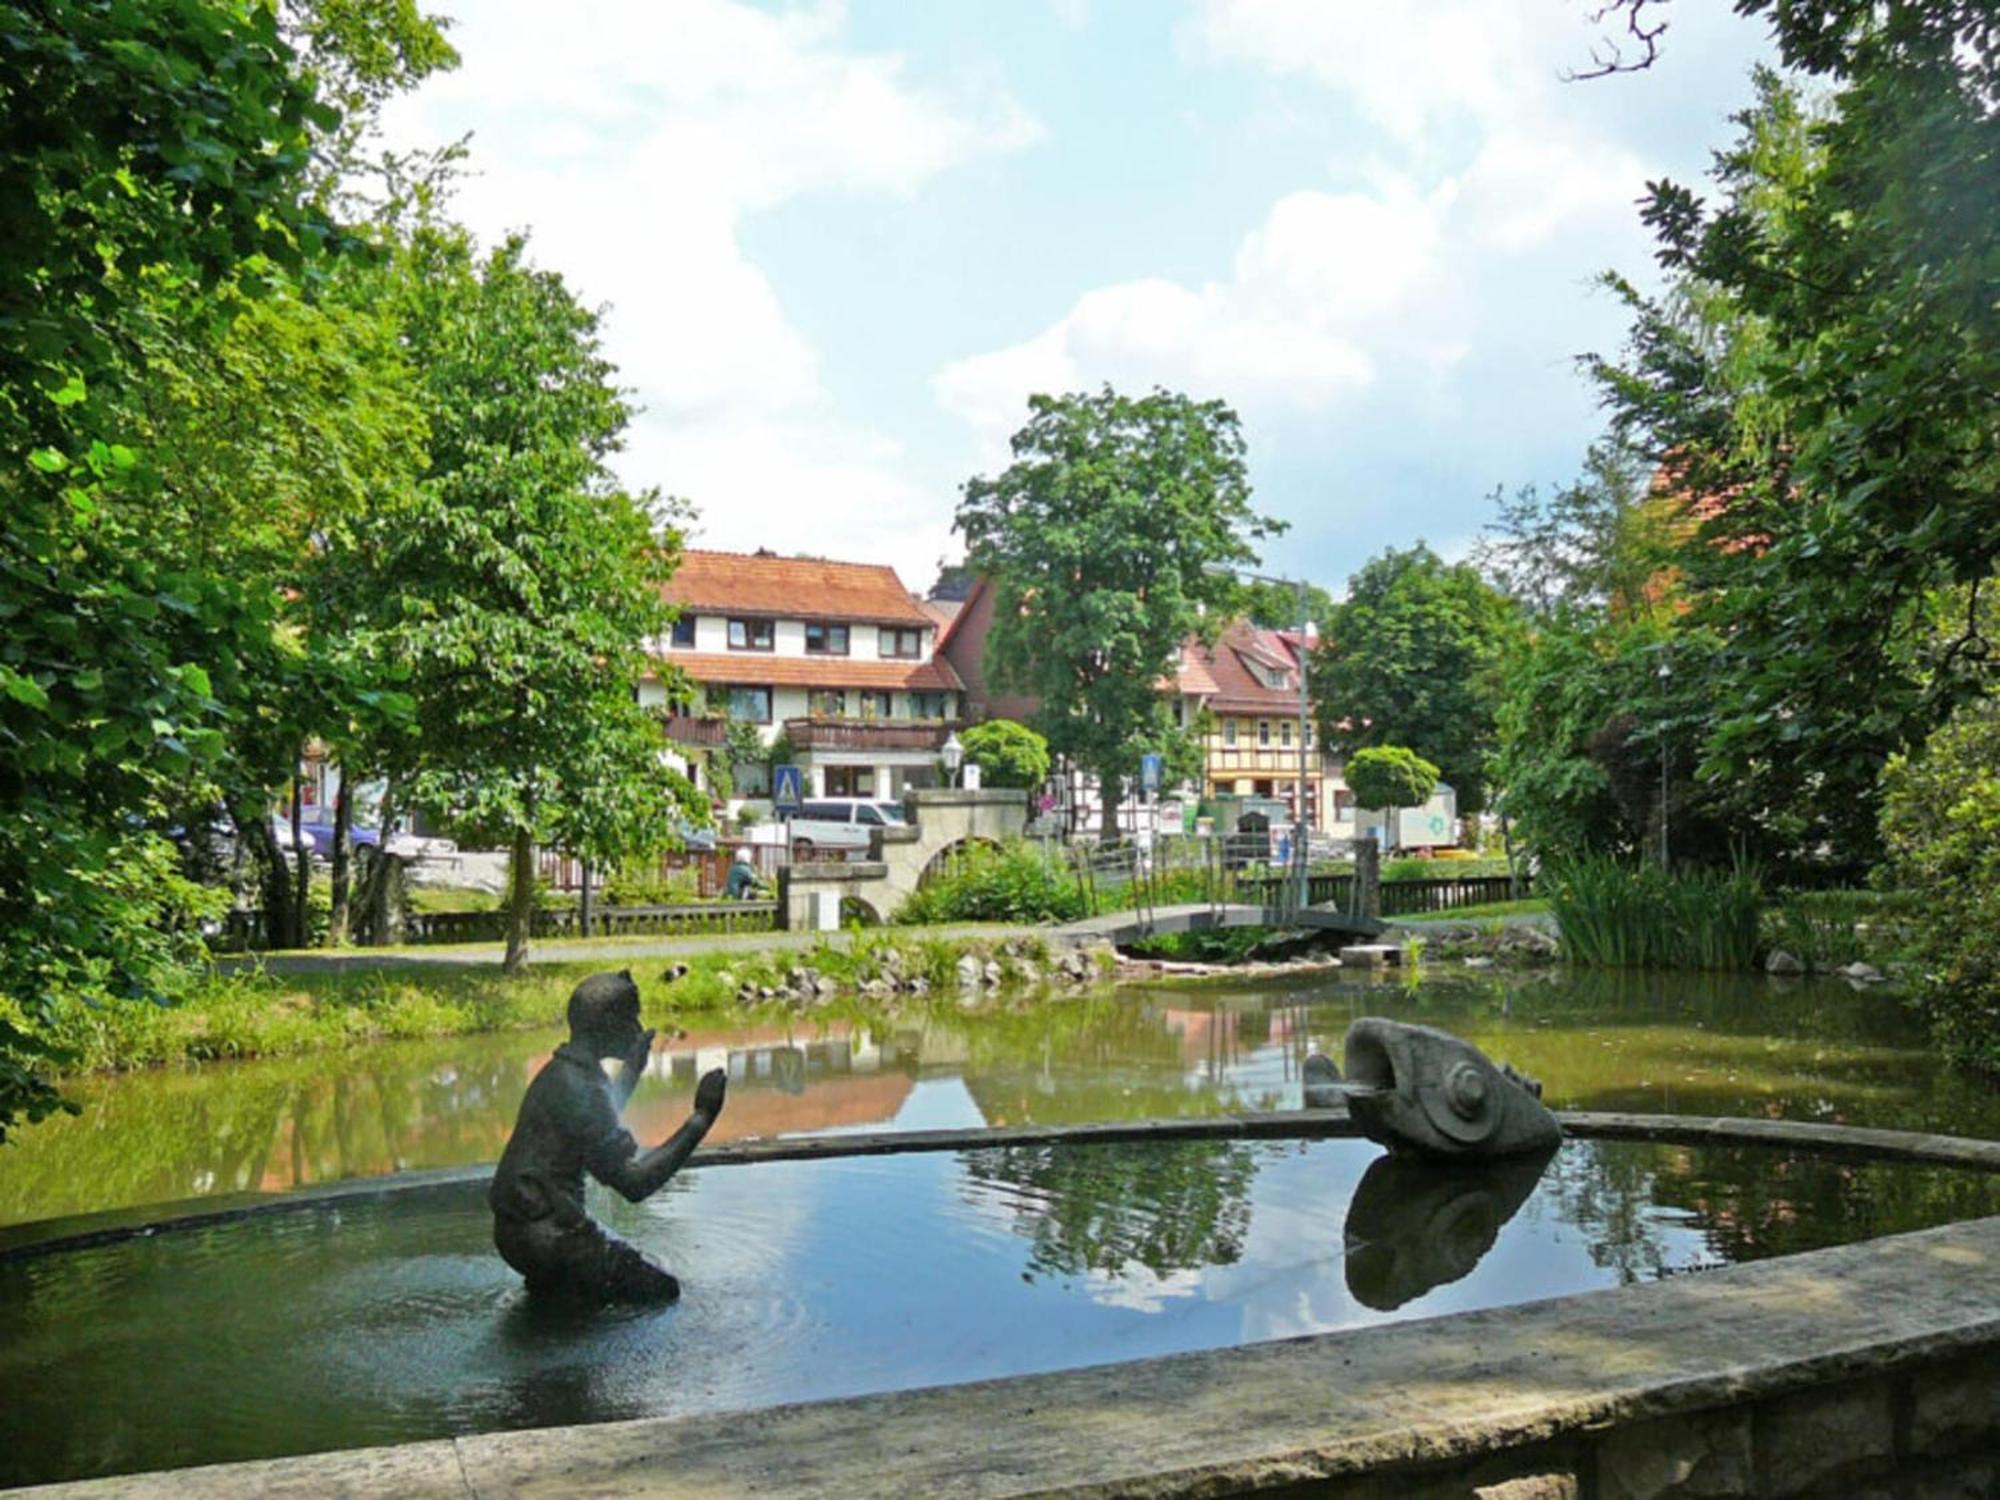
x: 568, y: 1125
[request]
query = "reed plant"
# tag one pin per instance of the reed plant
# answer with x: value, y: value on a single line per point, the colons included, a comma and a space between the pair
x: 1620, y: 915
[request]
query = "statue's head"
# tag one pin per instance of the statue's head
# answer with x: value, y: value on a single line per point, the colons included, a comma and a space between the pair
x: 604, y: 1013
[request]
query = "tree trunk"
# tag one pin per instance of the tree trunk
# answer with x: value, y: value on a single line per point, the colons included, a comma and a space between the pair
x: 372, y: 902
x: 302, y: 877
x: 1513, y: 867
x: 1110, y: 789
x: 520, y: 900
x: 252, y: 816
x: 343, y: 862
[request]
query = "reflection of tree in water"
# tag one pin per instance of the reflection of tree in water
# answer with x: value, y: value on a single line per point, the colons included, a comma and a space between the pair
x: 1168, y: 1206
x: 1747, y: 1202
x: 1606, y: 1191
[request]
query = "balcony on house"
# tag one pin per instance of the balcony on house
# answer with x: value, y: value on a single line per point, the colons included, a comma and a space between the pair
x: 697, y: 733
x: 926, y: 736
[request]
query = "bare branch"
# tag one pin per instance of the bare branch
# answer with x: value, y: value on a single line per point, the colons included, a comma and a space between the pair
x: 1607, y: 55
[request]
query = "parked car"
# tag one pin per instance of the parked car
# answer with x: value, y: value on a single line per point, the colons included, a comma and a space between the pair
x: 839, y: 826
x: 319, y: 837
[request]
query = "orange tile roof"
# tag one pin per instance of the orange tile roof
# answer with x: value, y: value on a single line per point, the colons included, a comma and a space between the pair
x: 762, y: 669
x: 796, y: 588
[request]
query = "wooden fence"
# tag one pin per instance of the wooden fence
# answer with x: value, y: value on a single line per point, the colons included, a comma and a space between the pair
x: 707, y: 868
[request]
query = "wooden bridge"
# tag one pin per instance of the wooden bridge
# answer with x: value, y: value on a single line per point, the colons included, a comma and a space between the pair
x: 1121, y: 927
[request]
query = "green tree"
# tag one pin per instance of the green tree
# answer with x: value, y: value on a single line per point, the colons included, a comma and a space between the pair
x: 1385, y: 776
x: 1941, y: 828
x: 1412, y: 657
x: 1597, y: 543
x: 1007, y: 754
x: 522, y: 584
x: 1819, y: 377
x: 1102, y: 536
x: 1275, y: 606
x: 155, y: 157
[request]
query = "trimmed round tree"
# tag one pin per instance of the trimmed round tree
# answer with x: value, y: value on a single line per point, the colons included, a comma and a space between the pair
x: 1007, y: 753
x: 1389, y: 776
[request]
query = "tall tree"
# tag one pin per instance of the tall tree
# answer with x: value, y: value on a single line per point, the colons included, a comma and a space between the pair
x: 151, y: 158
x: 521, y: 587
x: 1818, y: 383
x: 1412, y: 657
x: 1106, y: 537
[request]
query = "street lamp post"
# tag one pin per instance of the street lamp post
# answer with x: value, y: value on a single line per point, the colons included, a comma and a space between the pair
x: 953, y: 754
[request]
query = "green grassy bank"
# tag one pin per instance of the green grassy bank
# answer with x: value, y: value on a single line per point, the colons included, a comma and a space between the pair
x: 256, y: 1013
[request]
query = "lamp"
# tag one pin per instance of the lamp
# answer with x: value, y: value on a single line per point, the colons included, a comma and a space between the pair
x: 954, y: 755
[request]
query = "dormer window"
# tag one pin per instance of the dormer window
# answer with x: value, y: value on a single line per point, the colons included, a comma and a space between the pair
x: 825, y: 640
x: 750, y: 635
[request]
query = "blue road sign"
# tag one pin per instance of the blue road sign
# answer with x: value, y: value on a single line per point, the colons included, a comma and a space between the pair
x: 787, y: 789
x: 1151, y: 768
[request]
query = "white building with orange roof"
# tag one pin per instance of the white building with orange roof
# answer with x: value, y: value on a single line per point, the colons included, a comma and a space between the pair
x: 835, y: 656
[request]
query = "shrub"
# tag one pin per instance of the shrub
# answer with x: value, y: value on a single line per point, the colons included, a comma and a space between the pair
x: 1614, y: 914
x: 1007, y: 754
x: 1007, y: 884
x: 1941, y: 829
x: 1390, y: 776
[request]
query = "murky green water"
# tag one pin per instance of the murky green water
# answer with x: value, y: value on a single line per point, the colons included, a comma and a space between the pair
x: 1669, y: 1043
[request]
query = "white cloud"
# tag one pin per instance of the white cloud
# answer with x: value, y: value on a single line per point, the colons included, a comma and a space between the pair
x: 1487, y: 186
x: 635, y: 139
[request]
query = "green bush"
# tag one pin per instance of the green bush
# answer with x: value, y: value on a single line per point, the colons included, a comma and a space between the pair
x: 1941, y: 830
x: 1825, y: 929
x: 640, y: 883
x: 1007, y: 754
x: 1008, y: 884
x: 1615, y: 914
x: 1390, y: 776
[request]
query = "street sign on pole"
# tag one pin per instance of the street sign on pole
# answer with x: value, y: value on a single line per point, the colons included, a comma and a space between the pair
x: 787, y: 789
x: 1151, y: 768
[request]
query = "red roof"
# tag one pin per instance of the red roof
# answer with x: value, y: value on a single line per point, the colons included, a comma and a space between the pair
x: 764, y: 669
x: 1238, y: 688
x: 795, y: 588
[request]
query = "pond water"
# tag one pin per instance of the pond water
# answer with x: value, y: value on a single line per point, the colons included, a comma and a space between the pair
x: 1682, y: 1044
x: 388, y: 1319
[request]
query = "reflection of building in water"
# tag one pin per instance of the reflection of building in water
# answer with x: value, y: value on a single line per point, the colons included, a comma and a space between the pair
x: 778, y: 1084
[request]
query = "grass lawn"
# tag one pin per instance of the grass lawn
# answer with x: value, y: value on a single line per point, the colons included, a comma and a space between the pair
x: 1533, y: 906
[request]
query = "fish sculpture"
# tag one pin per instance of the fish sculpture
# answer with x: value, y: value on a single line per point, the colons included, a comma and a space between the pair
x: 1424, y: 1092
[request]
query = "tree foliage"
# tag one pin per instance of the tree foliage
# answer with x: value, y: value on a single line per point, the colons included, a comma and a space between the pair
x: 520, y: 586
x: 1818, y: 383
x: 156, y: 181
x: 1102, y: 536
x: 1007, y: 754
x: 1941, y: 829
x: 1412, y: 657
x: 1390, y: 776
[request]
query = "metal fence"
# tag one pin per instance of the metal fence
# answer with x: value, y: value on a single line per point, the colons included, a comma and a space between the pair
x: 605, y: 921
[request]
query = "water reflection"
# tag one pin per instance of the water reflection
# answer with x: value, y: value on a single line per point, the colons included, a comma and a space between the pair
x: 1671, y: 1043
x: 1415, y: 1225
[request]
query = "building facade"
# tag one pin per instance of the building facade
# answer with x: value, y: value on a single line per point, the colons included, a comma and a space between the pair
x: 836, y: 657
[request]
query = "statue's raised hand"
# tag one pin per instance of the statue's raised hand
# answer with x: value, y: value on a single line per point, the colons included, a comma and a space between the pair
x: 708, y: 1094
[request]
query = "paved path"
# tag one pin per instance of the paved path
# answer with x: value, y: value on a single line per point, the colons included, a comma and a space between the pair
x: 468, y: 955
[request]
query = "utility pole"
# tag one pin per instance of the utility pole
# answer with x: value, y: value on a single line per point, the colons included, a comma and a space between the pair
x: 1302, y: 837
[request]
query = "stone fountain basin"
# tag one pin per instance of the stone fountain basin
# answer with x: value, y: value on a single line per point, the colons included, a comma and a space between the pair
x: 1903, y: 1324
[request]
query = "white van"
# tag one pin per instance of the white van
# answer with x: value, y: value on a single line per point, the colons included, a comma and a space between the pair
x: 839, y: 827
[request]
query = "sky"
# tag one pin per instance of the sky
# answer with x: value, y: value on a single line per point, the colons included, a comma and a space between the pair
x: 837, y: 246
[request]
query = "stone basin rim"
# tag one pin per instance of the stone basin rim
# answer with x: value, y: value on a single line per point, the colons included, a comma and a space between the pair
x: 1917, y: 1148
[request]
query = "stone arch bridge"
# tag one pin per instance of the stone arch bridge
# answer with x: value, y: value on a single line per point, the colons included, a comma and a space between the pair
x: 942, y: 823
